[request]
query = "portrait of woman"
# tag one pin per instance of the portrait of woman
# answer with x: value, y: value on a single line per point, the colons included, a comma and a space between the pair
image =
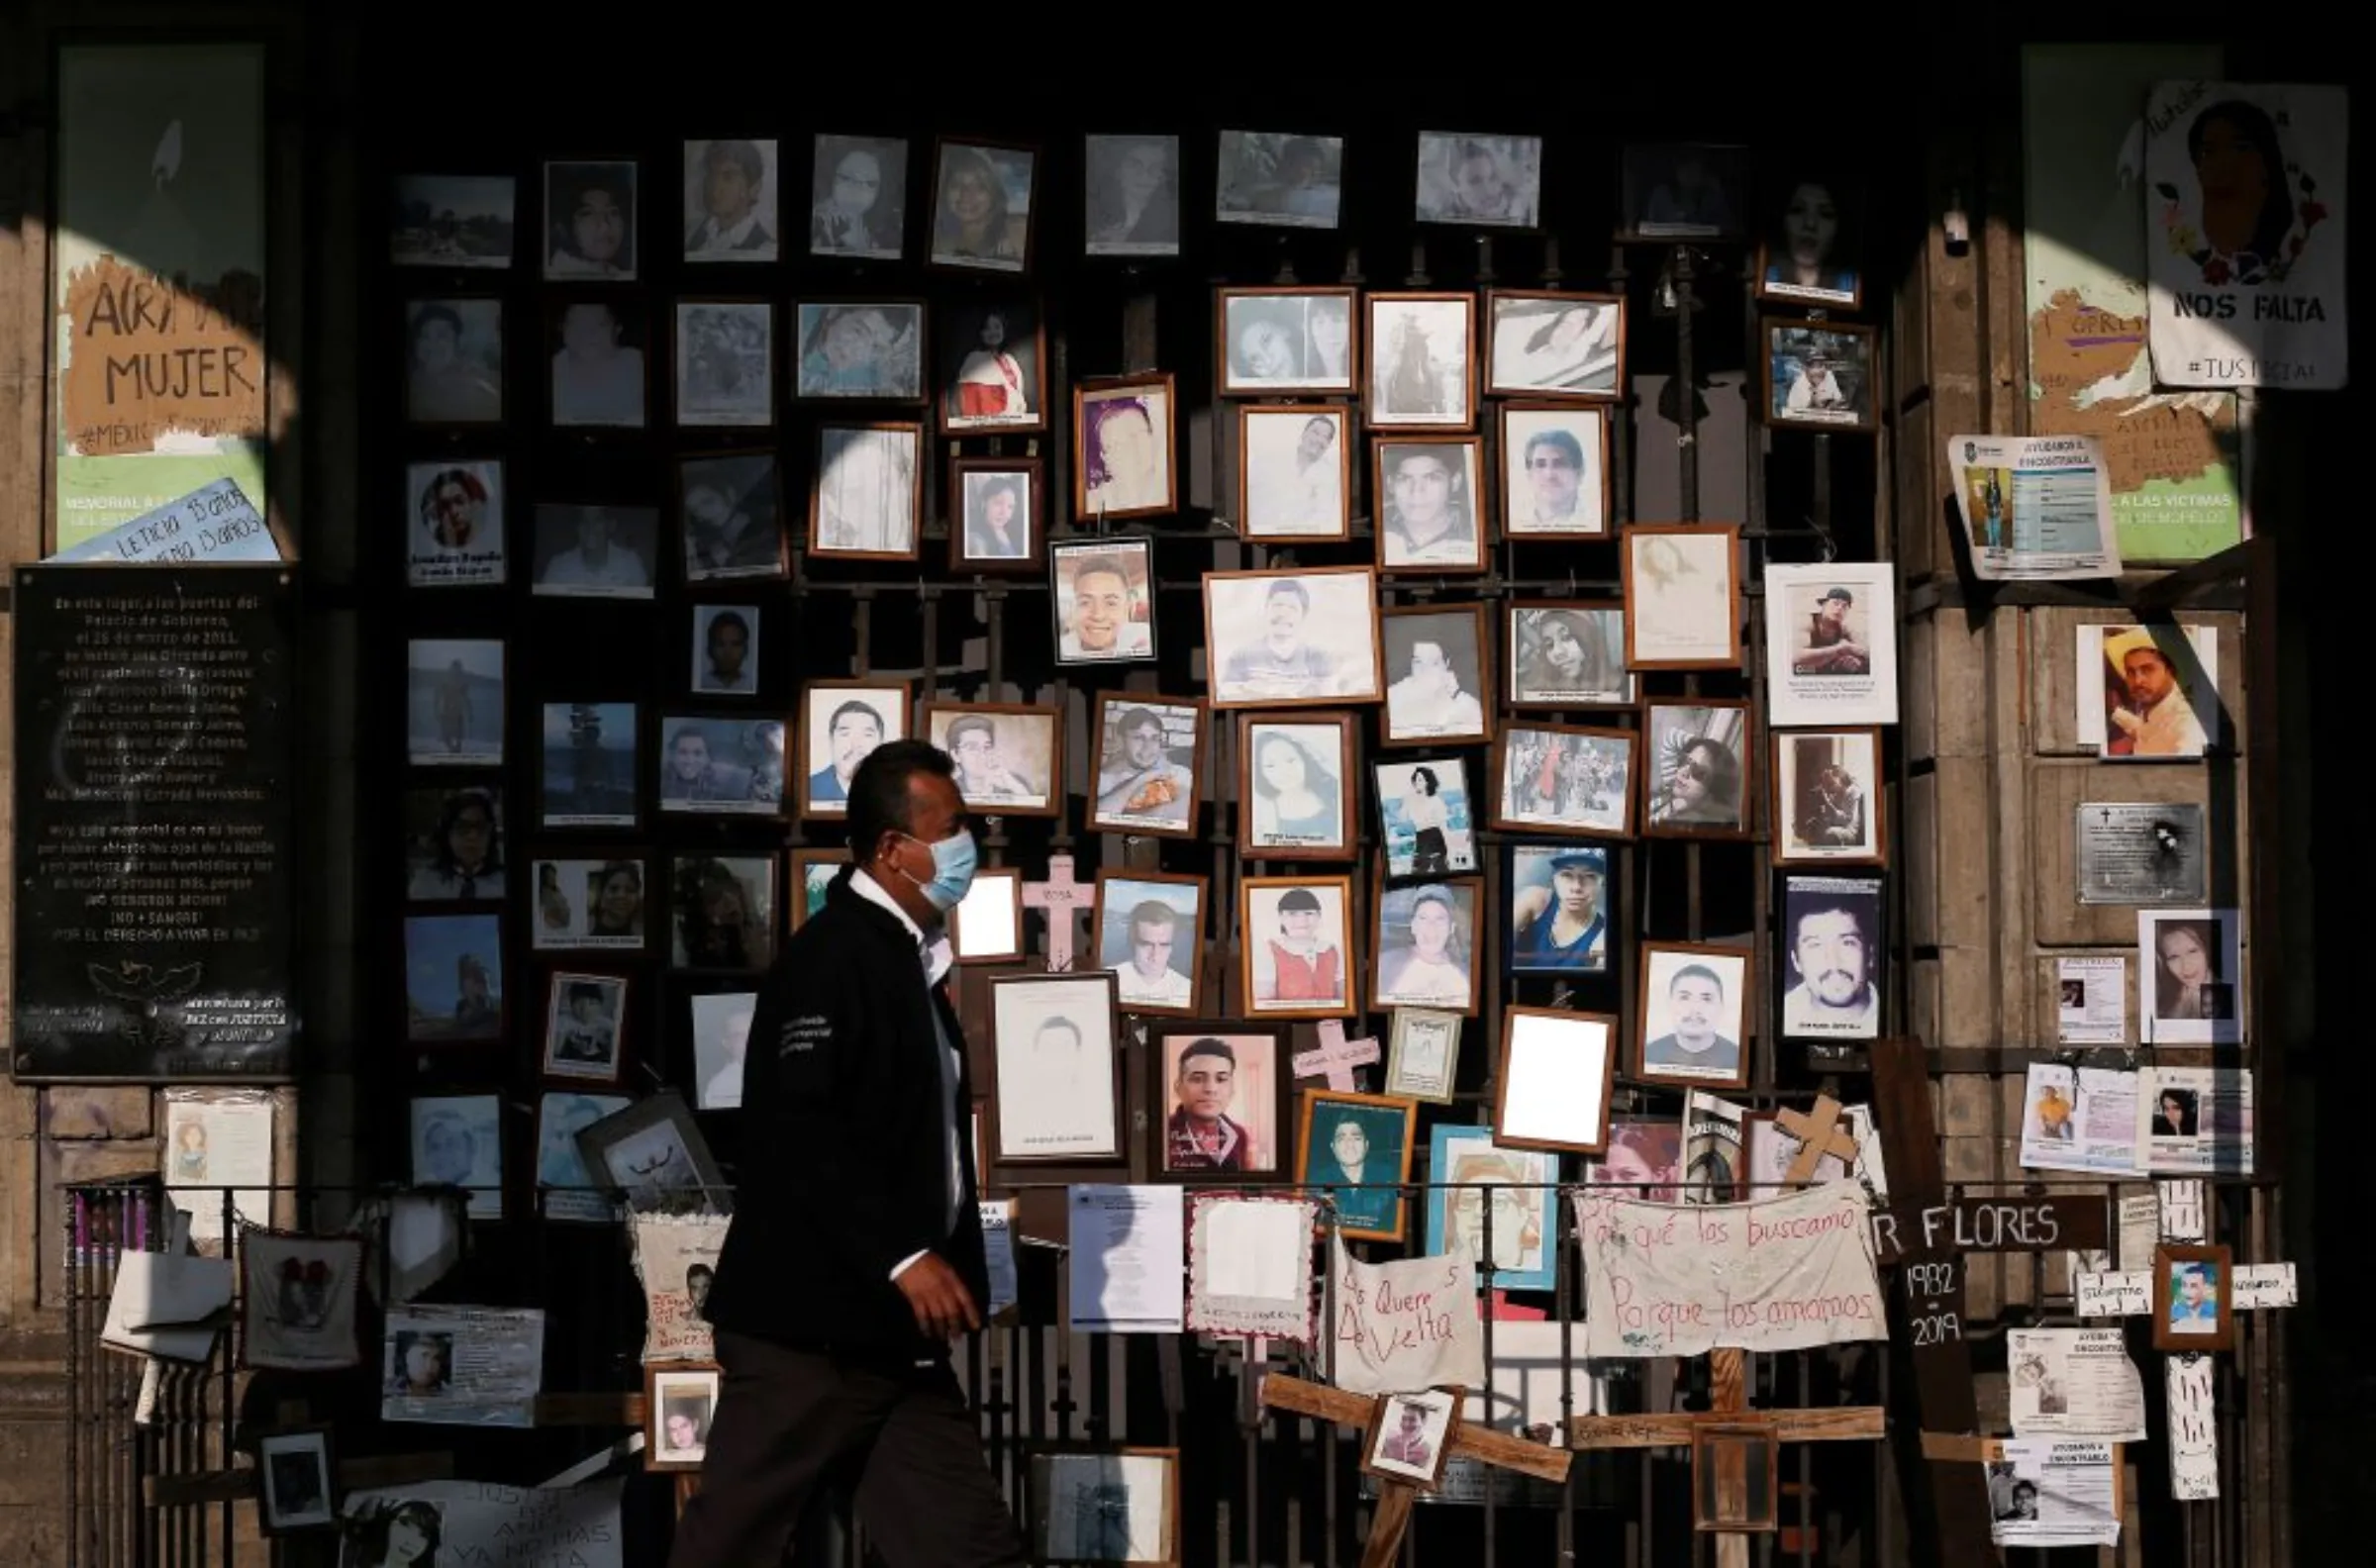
x: 980, y: 219
x: 2175, y: 1114
x: 1646, y: 1159
x: 1702, y: 784
x: 994, y: 381
x: 1699, y: 770
x: 590, y: 220
x: 1430, y: 966
x: 1565, y: 655
x: 189, y: 1149
x: 860, y: 197
x: 1809, y: 251
x: 2247, y: 208
x: 1555, y: 345
x: 1298, y: 800
x: 455, y: 374
x: 2186, y: 981
x: 1134, y: 195
x: 1431, y: 855
x: 1124, y: 436
x: 719, y: 923
x: 406, y: 1536
x: 465, y: 860
x: 998, y: 523
x: 616, y: 905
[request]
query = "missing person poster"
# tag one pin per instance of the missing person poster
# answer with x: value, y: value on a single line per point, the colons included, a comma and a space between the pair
x: 2053, y: 1492
x: 676, y: 1257
x: 2074, y: 1383
x: 462, y: 1366
x: 2035, y: 507
x: 474, y: 1522
x: 2080, y: 1119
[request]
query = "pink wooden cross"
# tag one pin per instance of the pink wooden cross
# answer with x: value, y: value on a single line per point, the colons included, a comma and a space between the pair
x: 1060, y: 899
x: 1336, y: 1057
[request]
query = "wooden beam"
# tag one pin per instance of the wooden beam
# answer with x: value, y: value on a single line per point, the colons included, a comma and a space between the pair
x: 209, y: 1488
x: 608, y: 1408
x: 1848, y: 1423
x: 1387, y: 1524
x: 1499, y: 1449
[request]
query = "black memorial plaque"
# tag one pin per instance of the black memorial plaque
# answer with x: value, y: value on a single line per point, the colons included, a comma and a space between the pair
x: 153, y: 822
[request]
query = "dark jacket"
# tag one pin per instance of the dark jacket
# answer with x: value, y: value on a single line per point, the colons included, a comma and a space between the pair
x: 845, y: 1167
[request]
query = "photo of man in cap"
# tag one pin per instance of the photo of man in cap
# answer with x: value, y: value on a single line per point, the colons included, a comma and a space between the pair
x: 1200, y: 1134
x: 1833, y: 648
x: 1562, y: 925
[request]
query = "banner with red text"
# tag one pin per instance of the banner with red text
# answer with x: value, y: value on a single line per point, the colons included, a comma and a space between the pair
x: 1408, y: 1325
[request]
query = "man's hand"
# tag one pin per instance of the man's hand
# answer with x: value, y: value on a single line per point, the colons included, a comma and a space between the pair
x: 943, y: 1307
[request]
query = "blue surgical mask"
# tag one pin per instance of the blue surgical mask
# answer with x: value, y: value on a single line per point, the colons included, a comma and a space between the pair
x: 954, y: 862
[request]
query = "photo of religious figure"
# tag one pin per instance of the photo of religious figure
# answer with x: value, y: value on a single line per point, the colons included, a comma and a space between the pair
x: 454, y: 702
x: 1122, y: 433
x: 721, y: 765
x: 1437, y: 660
x: 725, y: 362
x: 1812, y: 240
x: 1295, y: 778
x: 1696, y: 779
x: 453, y: 361
x: 1150, y: 932
x: 1682, y: 596
x: 1282, y: 638
x: 991, y: 372
x: 1693, y: 1015
x: 453, y: 978
x: 1645, y: 1157
x: 456, y: 534
x: 1820, y: 377
x: 1225, y: 1093
x: 1547, y: 343
x: 1830, y: 645
x: 1426, y: 825
x: 2142, y: 695
x: 1431, y: 492
x: 299, y: 1485
x: 1559, y: 920
x: 2189, y: 976
x: 1008, y: 758
x: 597, y: 375
x: 1000, y: 505
x: 1279, y: 180
x: 1130, y: 187
x: 682, y: 1406
x: 1511, y: 1192
x: 1286, y: 340
x: 858, y: 197
x: 1832, y: 949
x: 653, y: 1153
x: 721, y: 1030
x: 1683, y: 190
x: 1564, y: 779
x: 1554, y: 1079
x: 453, y: 845
x: 1568, y: 655
x: 590, y: 220
x: 721, y: 911
x: 731, y: 508
x: 866, y: 500
x: 595, y: 552
x: 1108, y: 1508
x: 1104, y: 599
x: 454, y: 221
x: 982, y: 207
x: 2194, y: 1290
x: 1422, y: 361
x: 1057, y: 1093
x: 1354, y: 1150
x: 730, y: 211
x: 589, y: 771
x: 585, y: 1021
x: 862, y: 350
x: 1554, y: 472
x: 1296, y: 956
x: 1410, y: 1436
x: 1295, y: 472
x: 457, y: 1142
x: 725, y: 650
x: 1149, y: 757
x: 583, y: 905
x: 1423, y: 947
x: 1827, y: 797
x: 1484, y: 181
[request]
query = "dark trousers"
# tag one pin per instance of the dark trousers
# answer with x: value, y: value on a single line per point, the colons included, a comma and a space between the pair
x: 792, y: 1423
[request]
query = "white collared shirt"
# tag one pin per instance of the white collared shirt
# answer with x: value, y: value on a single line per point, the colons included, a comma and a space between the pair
x: 936, y: 956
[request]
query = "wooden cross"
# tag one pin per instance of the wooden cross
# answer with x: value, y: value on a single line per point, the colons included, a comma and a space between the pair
x: 1393, y: 1516
x: 1061, y: 900
x: 1819, y: 1132
x: 1336, y: 1057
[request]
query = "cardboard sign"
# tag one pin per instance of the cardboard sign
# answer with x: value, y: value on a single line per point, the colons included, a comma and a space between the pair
x: 1408, y: 1325
x: 676, y: 1257
x: 152, y: 360
x: 480, y: 1522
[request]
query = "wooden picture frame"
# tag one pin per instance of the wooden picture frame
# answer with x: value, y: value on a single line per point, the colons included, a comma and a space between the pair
x: 1387, y: 1418
x: 1516, y: 1116
x: 975, y: 940
x: 1234, y: 373
x: 895, y: 701
x: 796, y: 890
x: 1522, y: 426
x: 1600, y: 678
x: 1392, y: 1212
x: 1140, y: 499
x: 1250, y: 845
x: 1790, y: 340
x: 1545, y: 375
x: 283, y: 1510
x: 1480, y: 667
x: 1357, y: 589
x: 1413, y: 1029
x: 946, y: 374
x: 1735, y: 1476
x: 679, y: 416
x: 1733, y: 1000
x: 1511, y: 746
x: 1402, y: 849
x: 1639, y: 541
x: 802, y: 382
x: 1819, y: 826
x: 818, y: 548
x: 1096, y: 998
x: 1032, y: 511
x: 1250, y: 935
x: 562, y: 987
x: 1168, y: 1039
x: 1194, y: 928
x: 938, y: 719
x: 1340, y: 420
x: 1396, y: 449
x: 679, y: 1390
x: 960, y: 260
x: 1667, y: 751
x: 1042, y: 1467
x: 2184, y: 1277
x: 1408, y: 898
x: 1113, y: 711
x: 1384, y: 367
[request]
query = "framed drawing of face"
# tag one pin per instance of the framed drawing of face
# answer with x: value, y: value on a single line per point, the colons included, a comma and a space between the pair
x: 454, y: 372
x: 1431, y: 514
x: 1517, y: 1188
x: 1697, y: 780
x: 1422, y: 361
x: 595, y: 552
x: 1355, y: 1148
x: 457, y: 1142
x: 722, y: 766
x: 1554, y: 472
x: 1828, y: 806
x: 993, y: 366
x: 1557, y: 1070
x: 1132, y: 191
x: 1296, y: 781
x: 1001, y: 507
x: 1410, y: 1436
x: 1058, y: 1096
x: 1832, y: 953
x: 1010, y: 762
x: 1563, y: 779
x: 866, y: 500
x: 1559, y: 920
x: 1682, y: 190
x: 1277, y: 341
x: 1228, y: 1092
x: 841, y: 721
x: 1150, y: 757
x: 1812, y: 240
x: 588, y: 778
x: 460, y: 221
x: 1550, y: 344
x: 725, y: 650
x: 590, y: 220
x: 1297, y: 951
x: 982, y: 207
x: 1437, y: 659
x: 1279, y: 638
x: 1568, y: 654
x: 1830, y: 643
x: 1682, y: 596
x: 1122, y: 429
x: 860, y: 351
x: 597, y: 367
x: 1423, y: 947
x: 1481, y: 181
x: 732, y: 508
x: 858, y: 197
x: 1692, y: 1021
x: 1150, y: 932
x: 1295, y: 472
x: 725, y: 362
x: 1818, y: 377
x: 1427, y: 820
x: 730, y: 208
x: 1279, y: 180
x: 457, y: 537
x: 585, y: 1026
x: 1104, y: 601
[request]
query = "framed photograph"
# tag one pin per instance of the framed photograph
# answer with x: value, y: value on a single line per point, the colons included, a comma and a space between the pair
x: 1819, y: 377
x: 590, y: 220
x: 721, y: 1033
x: 1150, y: 932
x: 986, y: 926
x: 1682, y: 596
x: 1682, y: 190
x: 1297, y: 949
x: 1422, y: 361
x: 588, y: 904
x: 454, y: 700
x: 1423, y: 1054
x: 992, y: 366
x: 297, y: 1481
x: 1432, y: 508
x: 1518, y: 1189
x: 1279, y: 180
x: 712, y: 766
x: 1568, y: 654
x: 654, y: 1154
x: 680, y: 1404
x: 732, y: 509
x: 725, y: 650
x: 1010, y: 758
x: 459, y: 221
x: 1547, y: 343
x: 1150, y: 757
x: 566, y: 1189
x: 841, y: 721
x: 1438, y: 655
x: 1554, y: 471
x: 725, y: 363
x: 1811, y: 238
x: 858, y: 197
x: 2135, y: 701
x: 1228, y: 1088
x: 1696, y: 779
x: 813, y: 874
x: 1130, y: 187
x: 1693, y: 1021
x: 731, y: 210
x: 1274, y: 1296
x: 457, y: 1142
x: 453, y: 978
x: 1830, y: 643
x: 1479, y: 181
x: 1424, y: 945
x: 1828, y: 807
x: 1104, y: 1506
x: 1559, y: 920
x: 860, y: 351
x: 1563, y: 779
x: 1103, y: 595
x: 588, y: 778
x: 1286, y: 340
x: 598, y: 378
x: 1285, y: 637
x: 1057, y: 1072
x: 1123, y: 432
x: 585, y: 1025
x: 595, y: 552
x: 2190, y: 975
x: 1295, y: 781
x: 982, y: 207
x: 1001, y: 507
x: 721, y: 911
x: 1295, y: 472
x: 457, y: 534
x: 453, y: 845
x: 866, y: 500
x: 1427, y: 824
x: 1734, y: 1470
x: 1355, y: 1148
x: 1644, y: 1156
x: 1410, y: 1436
x: 1556, y: 1073
x: 2194, y: 1292
x: 453, y: 361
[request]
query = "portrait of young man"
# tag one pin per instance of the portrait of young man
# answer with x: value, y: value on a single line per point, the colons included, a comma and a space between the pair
x: 1556, y: 919
x: 729, y: 201
x: 1151, y: 947
x: 1692, y: 1016
x: 1139, y: 783
x: 1835, y: 959
x: 1200, y: 1134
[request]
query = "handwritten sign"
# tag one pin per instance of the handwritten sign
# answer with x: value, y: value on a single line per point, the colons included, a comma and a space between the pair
x: 1780, y: 1274
x: 1336, y: 1057
x: 1990, y: 1224
x: 213, y: 523
x: 1408, y: 1325
x: 2194, y: 1432
x: 479, y: 1524
x: 677, y: 1256
x: 2129, y: 1294
x: 150, y: 360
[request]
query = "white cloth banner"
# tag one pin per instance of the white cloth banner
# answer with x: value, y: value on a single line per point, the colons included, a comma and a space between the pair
x: 1780, y: 1274
x: 1408, y: 1325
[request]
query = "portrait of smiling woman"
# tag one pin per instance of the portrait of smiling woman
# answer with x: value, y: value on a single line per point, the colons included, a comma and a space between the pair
x: 982, y: 207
